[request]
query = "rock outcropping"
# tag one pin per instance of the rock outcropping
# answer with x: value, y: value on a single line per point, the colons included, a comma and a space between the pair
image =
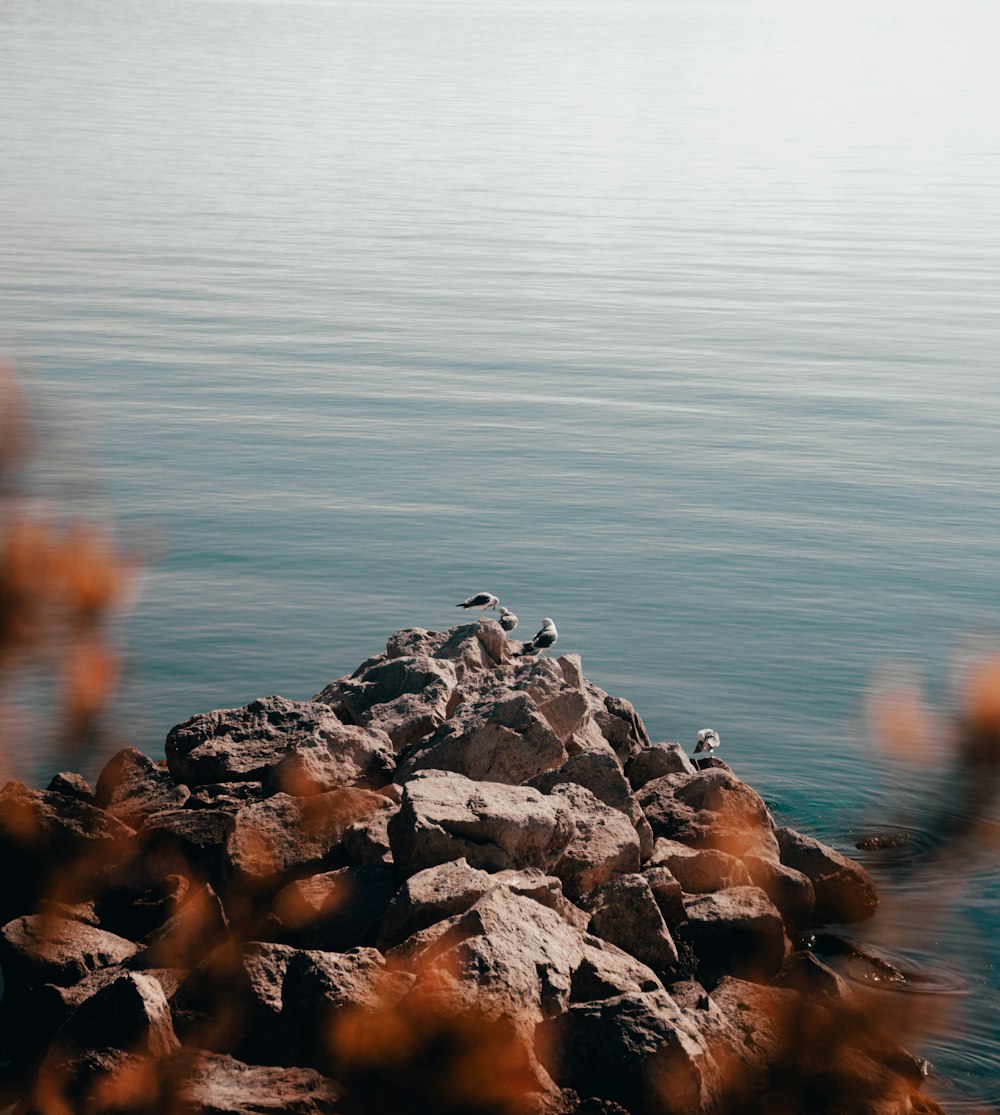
x: 456, y: 881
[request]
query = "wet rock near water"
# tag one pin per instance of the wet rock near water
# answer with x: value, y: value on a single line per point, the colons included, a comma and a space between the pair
x: 456, y: 881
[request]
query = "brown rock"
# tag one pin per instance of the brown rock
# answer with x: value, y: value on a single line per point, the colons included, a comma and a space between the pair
x: 36, y: 950
x: 655, y: 761
x: 129, y: 1013
x: 337, y: 910
x: 603, y: 846
x: 625, y: 913
x: 73, y: 785
x: 344, y: 755
x: 788, y: 889
x: 844, y: 890
x: 700, y: 870
x: 607, y: 971
x: 132, y: 787
x: 735, y: 932
x: 214, y: 1084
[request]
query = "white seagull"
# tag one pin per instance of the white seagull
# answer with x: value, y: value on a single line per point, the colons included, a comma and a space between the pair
x: 708, y: 740
x: 545, y: 638
x: 508, y: 621
x: 481, y: 601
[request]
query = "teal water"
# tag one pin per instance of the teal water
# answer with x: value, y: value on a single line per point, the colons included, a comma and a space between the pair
x: 674, y: 321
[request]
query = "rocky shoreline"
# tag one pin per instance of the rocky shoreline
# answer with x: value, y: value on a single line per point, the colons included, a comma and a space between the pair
x: 456, y: 881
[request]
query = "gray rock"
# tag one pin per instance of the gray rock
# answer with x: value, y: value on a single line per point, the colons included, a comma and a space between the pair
x: 337, y: 910
x: 242, y: 744
x: 625, y: 913
x: 36, y: 950
x: 72, y: 785
x: 735, y: 932
x: 637, y: 1049
x: 281, y: 835
x: 132, y: 787
x: 604, y: 843
x: 700, y: 870
x: 710, y: 809
x: 445, y: 816
x: 844, y: 890
x: 655, y: 761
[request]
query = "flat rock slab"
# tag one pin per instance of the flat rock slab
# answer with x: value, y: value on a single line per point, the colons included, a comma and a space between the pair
x: 215, y: 1084
x: 38, y: 949
x: 445, y: 816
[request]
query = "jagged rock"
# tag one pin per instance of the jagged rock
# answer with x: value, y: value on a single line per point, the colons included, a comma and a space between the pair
x: 55, y: 846
x: 72, y: 785
x: 283, y: 835
x: 505, y: 741
x: 79, y: 911
x: 607, y: 971
x: 655, y: 761
x: 506, y: 955
x: 430, y: 896
x: 788, y: 889
x: 700, y: 870
x: 129, y: 1013
x: 445, y: 816
x: 367, y: 840
x: 36, y: 950
x: 231, y: 1002
x: 346, y: 755
x: 637, y: 1049
x: 339, y: 909
x: 129, y: 913
x: 229, y: 797
x: 406, y: 697
x: 214, y: 1084
x: 186, y: 842
x: 625, y: 913
x: 619, y: 723
x: 242, y: 744
x: 844, y: 890
x: 710, y: 809
x: 667, y: 892
x: 603, y: 845
x: 197, y: 927
x: 132, y: 787
x: 811, y: 978
x: 736, y: 931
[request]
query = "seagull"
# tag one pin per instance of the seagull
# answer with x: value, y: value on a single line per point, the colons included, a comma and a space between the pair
x: 708, y: 740
x: 481, y: 601
x: 508, y: 621
x: 545, y: 638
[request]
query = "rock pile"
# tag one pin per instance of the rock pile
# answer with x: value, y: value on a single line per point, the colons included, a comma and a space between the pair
x: 456, y: 881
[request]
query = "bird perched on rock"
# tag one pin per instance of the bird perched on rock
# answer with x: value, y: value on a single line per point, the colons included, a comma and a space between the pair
x: 708, y: 740
x: 545, y: 638
x: 481, y: 601
x: 508, y: 621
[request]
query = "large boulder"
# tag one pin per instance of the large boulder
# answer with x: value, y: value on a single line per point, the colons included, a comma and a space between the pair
x: 445, y: 816
x: 337, y: 910
x: 637, y: 1049
x: 242, y: 744
x: 736, y: 932
x: 700, y: 870
x: 188, y: 842
x: 39, y: 949
x: 626, y: 913
x: 132, y: 787
x: 604, y: 842
x: 216, y: 1084
x: 655, y: 761
x: 844, y: 890
x: 129, y: 1013
x: 346, y: 755
x: 285, y: 836
x: 710, y: 809
x: 55, y: 846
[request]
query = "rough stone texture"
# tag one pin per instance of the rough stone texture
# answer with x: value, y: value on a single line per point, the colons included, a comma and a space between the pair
x: 844, y: 890
x: 129, y: 1012
x: 285, y: 835
x: 736, y: 931
x: 625, y: 913
x: 231, y: 1002
x: 710, y: 809
x: 445, y: 816
x: 655, y: 761
x: 216, y: 1084
x: 227, y: 796
x: 367, y: 840
x: 339, y: 909
x: 346, y: 755
x: 668, y: 893
x: 700, y: 870
x: 790, y: 890
x: 637, y: 1049
x: 54, y: 845
x: 492, y: 741
x: 604, y: 843
x: 188, y: 842
x: 132, y: 787
x: 36, y: 950
x: 606, y: 971
x: 505, y: 956
x: 430, y: 896
x: 242, y: 744
x: 197, y: 927
x: 73, y: 785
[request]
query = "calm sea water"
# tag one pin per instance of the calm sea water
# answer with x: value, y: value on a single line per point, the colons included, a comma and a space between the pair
x: 676, y: 321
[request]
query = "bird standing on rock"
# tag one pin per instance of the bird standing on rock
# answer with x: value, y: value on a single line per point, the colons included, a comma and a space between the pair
x: 481, y: 601
x: 508, y: 621
x: 708, y: 740
x: 545, y: 638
